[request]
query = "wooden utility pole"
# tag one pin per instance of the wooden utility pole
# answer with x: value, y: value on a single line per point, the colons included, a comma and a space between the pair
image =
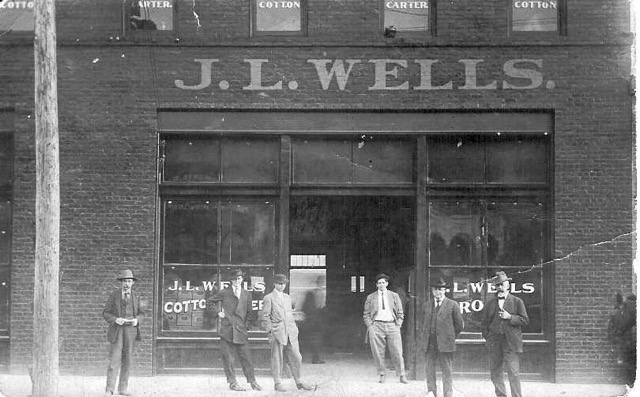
x: 45, y: 374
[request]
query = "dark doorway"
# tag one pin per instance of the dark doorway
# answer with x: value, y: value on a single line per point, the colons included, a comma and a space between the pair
x: 347, y: 240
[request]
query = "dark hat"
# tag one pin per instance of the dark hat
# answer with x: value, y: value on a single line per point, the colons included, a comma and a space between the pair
x: 382, y: 275
x: 236, y: 273
x: 439, y: 283
x: 124, y: 274
x: 280, y: 279
x: 500, y: 278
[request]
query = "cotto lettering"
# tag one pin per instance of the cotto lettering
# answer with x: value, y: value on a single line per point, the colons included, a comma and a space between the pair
x: 17, y: 4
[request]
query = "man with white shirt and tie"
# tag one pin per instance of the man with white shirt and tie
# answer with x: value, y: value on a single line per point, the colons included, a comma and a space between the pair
x: 233, y: 306
x: 383, y: 316
x: 502, y: 320
x: 442, y: 323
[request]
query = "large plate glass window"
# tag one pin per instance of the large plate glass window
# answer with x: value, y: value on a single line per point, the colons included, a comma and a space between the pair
x: 489, y: 211
x: 203, y: 242
x: 278, y: 16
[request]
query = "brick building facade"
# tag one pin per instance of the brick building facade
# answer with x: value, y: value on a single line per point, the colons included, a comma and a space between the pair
x: 127, y: 97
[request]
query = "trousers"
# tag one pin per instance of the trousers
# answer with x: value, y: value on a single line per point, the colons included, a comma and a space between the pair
x: 445, y: 360
x: 242, y: 350
x: 501, y: 358
x: 381, y: 335
x: 120, y: 358
x: 289, y: 353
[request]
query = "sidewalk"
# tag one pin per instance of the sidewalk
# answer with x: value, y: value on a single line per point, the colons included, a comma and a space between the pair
x: 331, y: 383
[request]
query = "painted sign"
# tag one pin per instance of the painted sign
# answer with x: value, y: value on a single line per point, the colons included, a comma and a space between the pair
x: 386, y: 75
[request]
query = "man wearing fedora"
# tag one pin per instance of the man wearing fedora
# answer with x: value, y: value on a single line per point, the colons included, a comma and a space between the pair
x: 121, y: 312
x: 441, y: 325
x: 277, y: 319
x: 383, y: 317
x: 502, y: 320
x: 233, y: 306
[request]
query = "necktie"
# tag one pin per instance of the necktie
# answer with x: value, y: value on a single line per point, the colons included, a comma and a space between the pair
x: 438, y: 302
x: 382, y: 297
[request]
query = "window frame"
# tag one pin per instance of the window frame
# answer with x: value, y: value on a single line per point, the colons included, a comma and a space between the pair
x: 253, y: 23
x: 129, y: 33
x: 430, y: 31
x: 562, y: 23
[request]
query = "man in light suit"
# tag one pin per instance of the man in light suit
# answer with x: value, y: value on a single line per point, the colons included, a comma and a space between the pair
x: 383, y: 317
x: 502, y: 321
x: 121, y: 312
x: 233, y: 307
x: 442, y: 324
x: 277, y: 319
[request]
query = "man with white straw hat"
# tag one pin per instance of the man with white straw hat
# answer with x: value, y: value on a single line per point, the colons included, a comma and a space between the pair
x: 121, y: 312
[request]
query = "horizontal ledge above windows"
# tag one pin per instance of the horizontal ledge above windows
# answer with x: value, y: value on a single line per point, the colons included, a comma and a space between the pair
x: 218, y: 190
x: 622, y: 40
x: 229, y: 265
x: 352, y: 191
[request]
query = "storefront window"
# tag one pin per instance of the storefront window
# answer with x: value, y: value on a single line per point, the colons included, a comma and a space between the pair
x: 276, y: 16
x: 535, y: 16
x: 406, y: 15
x: 149, y: 15
x: 17, y: 16
x: 204, y: 241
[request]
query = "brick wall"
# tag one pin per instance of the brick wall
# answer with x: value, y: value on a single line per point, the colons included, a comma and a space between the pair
x: 110, y: 90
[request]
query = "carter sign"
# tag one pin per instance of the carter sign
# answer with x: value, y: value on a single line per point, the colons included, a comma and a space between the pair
x: 384, y: 75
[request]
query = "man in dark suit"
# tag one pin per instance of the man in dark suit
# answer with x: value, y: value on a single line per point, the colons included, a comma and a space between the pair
x: 383, y: 316
x: 502, y: 321
x: 442, y: 324
x: 233, y: 307
x: 121, y: 312
x: 277, y: 319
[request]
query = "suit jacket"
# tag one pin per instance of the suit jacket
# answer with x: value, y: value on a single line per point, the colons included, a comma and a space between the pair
x: 233, y: 327
x: 512, y: 327
x: 277, y: 318
x: 371, y: 308
x: 114, y: 308
x: 449, y: 324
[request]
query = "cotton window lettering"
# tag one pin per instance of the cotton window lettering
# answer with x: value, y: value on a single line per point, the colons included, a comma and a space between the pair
x: 277, y: 16
x: 17, y: 16
x: 406, y: 16
x: 534, y: 16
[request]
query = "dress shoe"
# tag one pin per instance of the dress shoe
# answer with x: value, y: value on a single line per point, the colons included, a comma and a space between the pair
x: 403, y: 379
x: 108, y: 393
x: 235, y: 386
x: 304, y: 386
x: 279, y: 387
x: 382, y: 378
x: 255, y: 386
x: 125, y: 393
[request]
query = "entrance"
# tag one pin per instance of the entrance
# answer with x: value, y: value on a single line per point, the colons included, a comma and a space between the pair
x: 338, y: 244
